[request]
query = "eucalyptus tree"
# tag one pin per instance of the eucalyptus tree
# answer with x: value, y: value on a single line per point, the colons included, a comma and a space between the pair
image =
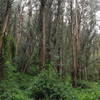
x: 5, y: 9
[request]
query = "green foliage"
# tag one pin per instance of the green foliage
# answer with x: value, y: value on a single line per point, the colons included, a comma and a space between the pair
x: 9, y: 47
x: 21, y: 57
x: 47, y: 86
x: 90, y: 92
x: 14, y: 94
x: 44, y: 86
x: 10, y: 85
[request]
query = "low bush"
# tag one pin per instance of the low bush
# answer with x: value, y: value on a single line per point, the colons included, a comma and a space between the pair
x: 47, y: 86
x: 44, y: 86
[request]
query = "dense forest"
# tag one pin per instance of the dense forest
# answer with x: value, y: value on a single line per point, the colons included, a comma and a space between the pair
x: 49, y: 50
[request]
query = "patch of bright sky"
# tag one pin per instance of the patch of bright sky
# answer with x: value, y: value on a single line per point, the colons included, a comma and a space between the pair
x: 98, y: 21
x: 97, y: 14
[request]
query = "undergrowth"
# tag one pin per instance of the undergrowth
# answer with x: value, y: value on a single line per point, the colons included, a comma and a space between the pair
x: 44, y: 86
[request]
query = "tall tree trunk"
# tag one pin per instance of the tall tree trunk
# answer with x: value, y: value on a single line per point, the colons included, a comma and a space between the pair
x: 30, y: 48
x: 5, y: 22
x: 43, y: 41
x: 74, y: 71
x: 78, y: 20
x: 75, y: 33
x: 43, y: 35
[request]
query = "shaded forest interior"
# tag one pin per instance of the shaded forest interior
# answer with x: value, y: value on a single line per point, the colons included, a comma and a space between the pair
x: 49, y: 50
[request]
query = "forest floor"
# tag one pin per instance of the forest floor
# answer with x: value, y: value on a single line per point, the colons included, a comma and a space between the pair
x: 44, y: 86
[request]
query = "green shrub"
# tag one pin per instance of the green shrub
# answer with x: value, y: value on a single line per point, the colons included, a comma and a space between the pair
x: 9, y: 47
x: 14, y: 94
x: 87, y: 91
x: 83, y: 84
x: 44, y: 86
x: 10, y: 86
x: 48, y: 86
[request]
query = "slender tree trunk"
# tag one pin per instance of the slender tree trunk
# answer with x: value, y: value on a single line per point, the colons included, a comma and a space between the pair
x: 5, y: 22
x: 43, y: 35
x: 43, y: 41
x: 75, y: 33
x: 74, y: 65
x: 78, y: 20
x: 1, y: 58
x: 30, y: 48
